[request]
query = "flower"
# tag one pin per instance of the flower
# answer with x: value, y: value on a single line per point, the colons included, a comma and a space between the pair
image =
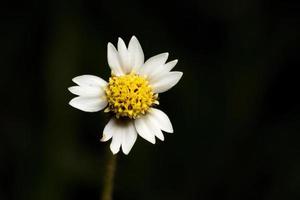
x: 130, y: 95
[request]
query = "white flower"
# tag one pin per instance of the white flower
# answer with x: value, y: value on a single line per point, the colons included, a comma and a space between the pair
x: 130, y: 95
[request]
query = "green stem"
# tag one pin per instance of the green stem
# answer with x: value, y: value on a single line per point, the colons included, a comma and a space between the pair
x: 108, y: 182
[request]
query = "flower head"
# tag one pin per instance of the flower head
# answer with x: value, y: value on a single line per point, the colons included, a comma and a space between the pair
x: 130, y: 95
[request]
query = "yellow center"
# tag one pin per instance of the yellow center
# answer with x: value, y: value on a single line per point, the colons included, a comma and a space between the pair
x: 129, y: 95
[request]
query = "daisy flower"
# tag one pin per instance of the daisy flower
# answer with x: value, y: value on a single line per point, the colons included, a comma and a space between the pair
x: 130, y: 95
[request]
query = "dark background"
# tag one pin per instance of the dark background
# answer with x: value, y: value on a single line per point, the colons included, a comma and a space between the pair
x: 236, y: 111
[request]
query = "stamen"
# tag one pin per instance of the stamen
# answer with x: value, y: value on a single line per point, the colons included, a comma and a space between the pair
x: 129, y: 96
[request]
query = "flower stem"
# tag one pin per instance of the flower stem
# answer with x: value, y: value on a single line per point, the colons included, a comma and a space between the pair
x: 108, y: 182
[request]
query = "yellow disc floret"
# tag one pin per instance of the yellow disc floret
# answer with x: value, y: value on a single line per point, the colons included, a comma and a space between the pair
x: 129, y: 95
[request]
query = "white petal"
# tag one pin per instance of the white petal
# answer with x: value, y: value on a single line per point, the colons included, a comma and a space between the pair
x: 87, y: 91
x: 123, y: 133
x: 143, y: 129
x: 154, y: 64
x: 163, y: 71
x: 170, y: 65
x: 129, y: 137
x: 161, y: 119
x: 160, y: 135
x: 166, y: 82
x: 154, y: 126
x: 114, y: 60
x: 136, y: 53
x: 116, y: 141
x: 109, y: 130
x: 114, y: 130
x: 124, y: 56
x: 89, y: 104
x: 89, y: 80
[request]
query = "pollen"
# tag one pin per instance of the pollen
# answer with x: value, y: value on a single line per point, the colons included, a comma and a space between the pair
x: 129, y: 96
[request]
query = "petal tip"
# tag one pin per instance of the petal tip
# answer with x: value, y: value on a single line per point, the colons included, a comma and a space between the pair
x: 109, y: 45
x: 70, y: 89
x: 114, y: 151
x: 180, y: 74
x: 152, y: 141
x: 75, y: 79
x: 164, y: 55
x: 104, y: 138
x: 120, y: 40
x: 169, y: 129
x: 126, y: 152
x: 134, y: 40
x: 71, y: 102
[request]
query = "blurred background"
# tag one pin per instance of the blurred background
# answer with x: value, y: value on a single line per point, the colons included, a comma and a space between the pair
x: 235, y: 112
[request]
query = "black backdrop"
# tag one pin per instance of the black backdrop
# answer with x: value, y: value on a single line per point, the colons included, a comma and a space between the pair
x: 235, y: 112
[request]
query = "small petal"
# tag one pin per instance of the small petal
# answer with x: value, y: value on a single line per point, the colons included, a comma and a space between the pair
x: 86, y: 91
x: 123, y: 134
x: 114, y: 60
x: 143, y: 130
x: 170, y: 65
x: 163, y: 71
x: 89, y: 104
x: 154, y: 64
x: 136, y: 53
x: 89, y: 80
x: 154, y: 126
x: 129, y: 137
x: 124, y: 56
x: 113, y: 130
x: 160, y: 135
x: 116, y: 141
x: 161, y: 119
x: 166, y: 82
x: 109, y: 130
